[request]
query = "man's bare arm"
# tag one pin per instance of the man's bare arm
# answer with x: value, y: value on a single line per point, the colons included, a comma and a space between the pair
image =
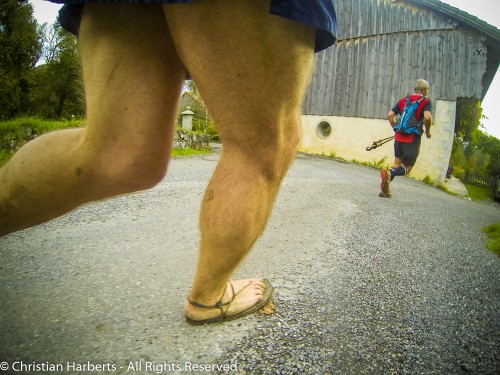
x: 391, y: 116
x: 428, y: 123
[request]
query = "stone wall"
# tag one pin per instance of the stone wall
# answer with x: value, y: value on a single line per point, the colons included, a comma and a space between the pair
x: 14, y: 141
x: 184, y: 139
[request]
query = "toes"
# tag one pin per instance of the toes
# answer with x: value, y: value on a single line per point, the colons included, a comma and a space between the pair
x: 259, y: 283
x: 249, y: 283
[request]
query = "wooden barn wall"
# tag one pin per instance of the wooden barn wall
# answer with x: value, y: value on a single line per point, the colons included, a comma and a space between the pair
x: 373, y: 17
x: 362, y: 76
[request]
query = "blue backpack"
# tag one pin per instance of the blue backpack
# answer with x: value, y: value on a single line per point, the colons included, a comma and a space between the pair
x: 408, y: 123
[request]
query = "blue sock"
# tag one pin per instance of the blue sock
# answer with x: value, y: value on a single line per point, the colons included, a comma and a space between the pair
x: 399, y: 171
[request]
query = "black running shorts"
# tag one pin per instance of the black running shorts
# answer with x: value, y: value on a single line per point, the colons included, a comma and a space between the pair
x: 407, y: 152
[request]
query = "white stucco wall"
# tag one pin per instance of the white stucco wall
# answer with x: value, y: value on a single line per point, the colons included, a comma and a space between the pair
x: 435, y: 152
x: 351, y: 135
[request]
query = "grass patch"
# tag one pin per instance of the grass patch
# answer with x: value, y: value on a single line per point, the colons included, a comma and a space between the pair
x: 4, y: 156
x: 479, y: 193
x: 445, y: 189
x: 493, y: 232
x: 428, y: 180
x: 331, y: 155
x: 20, y: 127
x: 377, y: 164
x: 14, y: 133
x: 186, y: 152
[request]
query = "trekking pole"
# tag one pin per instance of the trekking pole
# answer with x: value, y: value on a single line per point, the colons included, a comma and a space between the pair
x: 378, y: 143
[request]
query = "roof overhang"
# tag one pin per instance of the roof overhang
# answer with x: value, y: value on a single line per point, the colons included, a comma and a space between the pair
x: 470, y: 22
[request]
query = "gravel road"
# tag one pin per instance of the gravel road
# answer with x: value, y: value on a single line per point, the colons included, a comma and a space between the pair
x: 364, y: 285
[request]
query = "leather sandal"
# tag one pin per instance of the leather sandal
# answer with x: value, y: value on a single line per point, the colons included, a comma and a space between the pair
x: 220, y: 305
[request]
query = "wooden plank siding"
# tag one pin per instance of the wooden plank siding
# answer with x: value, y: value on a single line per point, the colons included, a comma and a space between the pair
x: 383, y: 47
x: 373, y: 17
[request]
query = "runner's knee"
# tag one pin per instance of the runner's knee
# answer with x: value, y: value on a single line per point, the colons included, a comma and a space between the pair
x: 275, y: 149
x: 129, y: 171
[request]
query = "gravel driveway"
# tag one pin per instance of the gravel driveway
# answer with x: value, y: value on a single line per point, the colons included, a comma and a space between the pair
x: 364, y: 285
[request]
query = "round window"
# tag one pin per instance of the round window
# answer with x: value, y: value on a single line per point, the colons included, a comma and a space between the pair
x: 323, y: 130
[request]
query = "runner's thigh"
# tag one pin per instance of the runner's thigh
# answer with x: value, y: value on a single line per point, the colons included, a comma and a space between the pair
x: 250, y: 66
x: 132, y: 77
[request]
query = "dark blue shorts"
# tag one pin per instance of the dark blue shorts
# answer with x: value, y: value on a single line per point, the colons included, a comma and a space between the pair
x: 319, y: 14
x: 407, y: 152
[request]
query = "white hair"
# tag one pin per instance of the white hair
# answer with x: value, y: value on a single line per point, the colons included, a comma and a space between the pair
x: 421, y: 84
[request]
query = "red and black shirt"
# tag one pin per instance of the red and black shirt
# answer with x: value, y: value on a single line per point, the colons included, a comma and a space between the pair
x: 425, y: 105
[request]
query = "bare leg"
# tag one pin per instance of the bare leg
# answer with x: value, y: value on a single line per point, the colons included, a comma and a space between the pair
x: 132, y: 78
x: 397, y: 163
x: 252, y: 69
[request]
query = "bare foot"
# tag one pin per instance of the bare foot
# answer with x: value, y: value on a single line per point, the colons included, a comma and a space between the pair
x: 247, y: 294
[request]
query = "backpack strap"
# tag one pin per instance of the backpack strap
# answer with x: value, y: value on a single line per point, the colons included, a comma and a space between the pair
x: 419, y: 101
x: 408, y: 102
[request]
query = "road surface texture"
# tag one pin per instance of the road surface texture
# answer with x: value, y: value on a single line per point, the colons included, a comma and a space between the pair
x: 364, y: 285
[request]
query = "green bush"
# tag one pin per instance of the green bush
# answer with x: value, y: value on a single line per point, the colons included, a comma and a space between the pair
x: 459, y: 173
x: 205, y: 126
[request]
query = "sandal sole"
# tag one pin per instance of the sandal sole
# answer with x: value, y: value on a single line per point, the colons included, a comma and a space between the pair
x: 224, y: 318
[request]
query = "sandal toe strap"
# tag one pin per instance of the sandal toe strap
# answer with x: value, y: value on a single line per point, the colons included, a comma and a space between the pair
x: 220, y: 305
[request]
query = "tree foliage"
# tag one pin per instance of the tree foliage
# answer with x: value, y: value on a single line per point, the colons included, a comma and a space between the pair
x: 40, y: 71
x: 490, y: 146
x: 202, y: 122
x: 474, y: 152
x: 58, y: 85
x: 20, y: 48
